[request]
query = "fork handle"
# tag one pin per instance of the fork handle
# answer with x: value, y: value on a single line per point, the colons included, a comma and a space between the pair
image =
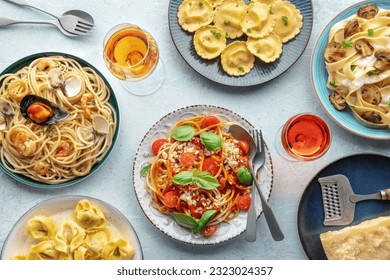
x: 28, y: 4
x: 273, y: 225
x: 382, y: 195
x: 8, y: 21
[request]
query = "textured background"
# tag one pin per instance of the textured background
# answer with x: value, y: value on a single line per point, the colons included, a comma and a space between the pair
x: 266, y: 106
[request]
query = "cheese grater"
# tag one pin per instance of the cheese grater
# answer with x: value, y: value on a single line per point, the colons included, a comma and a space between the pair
x: 339, y: 199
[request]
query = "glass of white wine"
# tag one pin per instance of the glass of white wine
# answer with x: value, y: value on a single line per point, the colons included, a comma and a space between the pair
x: 131, y: 54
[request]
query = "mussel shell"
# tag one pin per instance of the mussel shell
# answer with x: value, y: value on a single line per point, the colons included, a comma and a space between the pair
x: 59, y: 113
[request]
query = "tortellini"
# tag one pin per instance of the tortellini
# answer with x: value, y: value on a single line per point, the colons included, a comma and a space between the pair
x: 209, y: 42
x: 262, y: 26
x: 193, y: 14
x: 83, y: 236
x: 236, y: 59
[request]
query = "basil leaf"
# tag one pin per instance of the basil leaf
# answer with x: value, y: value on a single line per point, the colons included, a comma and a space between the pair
x: 183, y: 133
x: 205, y: 180
x: 183, y: 178
x: 244, y: 176
x: 211, y: 140
x: 145, y: 170
x: 185, y: 220
x: 205, y: 219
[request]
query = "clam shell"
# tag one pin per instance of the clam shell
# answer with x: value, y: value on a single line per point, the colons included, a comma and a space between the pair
x: 59, y: 113
x: 100, y: 124
x: 6, y: 107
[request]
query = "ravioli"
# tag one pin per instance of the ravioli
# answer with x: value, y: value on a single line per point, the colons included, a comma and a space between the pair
x: 267, y: 49
x: 209, y: 41
x: 88, y: 216
x: 228, y: 15
x: 289, y: 20
x: 118, y: 250
x: 193, y: 14
x: 41, y: 228
x: 257, y: 21
x: 236, y: 59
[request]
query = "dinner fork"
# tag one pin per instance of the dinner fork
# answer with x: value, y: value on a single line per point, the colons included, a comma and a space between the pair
x: 258, y: 162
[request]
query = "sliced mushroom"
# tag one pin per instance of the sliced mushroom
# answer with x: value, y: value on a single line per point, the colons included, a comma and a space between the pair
x: 338, y: 101
x: 372, y: 117
x: 352, y: 27
x: 371, y: 94
x: 364, y: 47
x: 55, y: 78
x: 368, y: 11
x: 334, y: 52
x: 382, y: 62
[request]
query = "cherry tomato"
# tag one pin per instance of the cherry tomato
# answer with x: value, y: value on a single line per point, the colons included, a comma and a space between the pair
x: 244, y: 202
x: 157, y: 145
x: 170, y: 199
x: 243, y: 146
x: 211, y: 165
x: 187, y: 159
x: 209, y: 230
x: 196, y: 211
x: 209, y: 121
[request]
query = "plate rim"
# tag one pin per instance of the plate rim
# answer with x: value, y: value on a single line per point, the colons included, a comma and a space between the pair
x: 75, y: 197
x: 34, y: 183
x: 299, y: 212
x: 310, y: 4
x: 324, y: 32
x: 138, y: 155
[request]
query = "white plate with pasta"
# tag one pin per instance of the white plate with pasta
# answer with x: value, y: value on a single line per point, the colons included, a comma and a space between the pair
x: 72, y: 227
x: 350, y: 74
x: 62, y: 153
x: 190, y: 175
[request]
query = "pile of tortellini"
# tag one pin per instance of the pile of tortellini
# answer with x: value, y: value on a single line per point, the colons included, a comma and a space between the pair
x: 84, y: 236
x: 267, y: 24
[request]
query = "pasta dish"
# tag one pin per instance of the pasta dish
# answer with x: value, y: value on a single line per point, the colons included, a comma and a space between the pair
x: 357, y: 59
x: 55, y: 120
x: 199, y: 174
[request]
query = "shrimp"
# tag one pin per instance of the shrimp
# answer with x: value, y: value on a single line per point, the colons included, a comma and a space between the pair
x: 24, y: 145
x: 83, y: 101
x: 41, y: 168
x: 63, y: 149
x: 46, y: 64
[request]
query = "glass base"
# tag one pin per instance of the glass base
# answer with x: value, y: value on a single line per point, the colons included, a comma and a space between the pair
x: 148, y: 85
x: 279, y: 147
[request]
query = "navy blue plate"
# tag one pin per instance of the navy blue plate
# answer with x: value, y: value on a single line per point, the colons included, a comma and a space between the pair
x: 367, y: 173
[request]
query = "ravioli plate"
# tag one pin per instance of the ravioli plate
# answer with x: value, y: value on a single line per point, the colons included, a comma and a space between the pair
x: 262, y: 72
x: 164, y: 222
x: 60, y: 208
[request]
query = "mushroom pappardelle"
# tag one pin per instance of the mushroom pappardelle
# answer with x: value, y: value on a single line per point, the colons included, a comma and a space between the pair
x: 357, y: 60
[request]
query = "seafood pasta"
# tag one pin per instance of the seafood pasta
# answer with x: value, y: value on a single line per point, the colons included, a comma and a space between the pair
x: 199, y: 174
x: 55, y: 120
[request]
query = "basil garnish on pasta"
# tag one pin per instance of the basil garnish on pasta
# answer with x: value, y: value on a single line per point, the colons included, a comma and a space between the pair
x: 183, y: 133
x: 211, y: 140
x: 203, y: 179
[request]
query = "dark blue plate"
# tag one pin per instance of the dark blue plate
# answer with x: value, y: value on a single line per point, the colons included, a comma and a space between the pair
x: 367, y: 173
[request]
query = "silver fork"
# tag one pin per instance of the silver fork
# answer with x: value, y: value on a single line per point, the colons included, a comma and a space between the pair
x: 258, y: 162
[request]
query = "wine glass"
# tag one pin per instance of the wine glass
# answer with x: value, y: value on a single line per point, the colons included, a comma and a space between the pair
x: 303, y: 137
x: 131, y: 54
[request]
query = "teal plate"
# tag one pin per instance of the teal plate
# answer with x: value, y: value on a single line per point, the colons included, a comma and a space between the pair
x: 319, y: 77
x: 113, y: 101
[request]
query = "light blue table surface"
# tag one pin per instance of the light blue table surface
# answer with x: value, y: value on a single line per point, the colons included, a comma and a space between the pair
x: 266, y: 106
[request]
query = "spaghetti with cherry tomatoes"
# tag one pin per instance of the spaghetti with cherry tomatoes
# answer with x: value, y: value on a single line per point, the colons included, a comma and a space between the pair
x: 194, y: 175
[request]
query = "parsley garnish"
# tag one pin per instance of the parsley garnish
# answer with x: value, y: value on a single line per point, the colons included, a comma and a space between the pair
x: 248, y: 30
x: 270, y: 11
x: 373, y: 73
x: 346, y: 44
x: 370, y: 32
x: 332, y: 84
x: 353, y: 67
x: 388, y: 103
x: 216, y: 34
x: 226, y: 35
x: 241, y: 69
x: 201, y: 4
x: 226, y: 22
x: 190, y: 4
x: 258, y: 51
x: 285, y: 20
